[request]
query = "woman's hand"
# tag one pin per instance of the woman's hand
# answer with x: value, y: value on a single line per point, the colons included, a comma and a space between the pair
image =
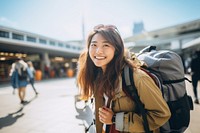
x: 105, y: 115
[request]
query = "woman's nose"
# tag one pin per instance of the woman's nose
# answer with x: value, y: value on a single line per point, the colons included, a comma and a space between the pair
x: 99, y: 50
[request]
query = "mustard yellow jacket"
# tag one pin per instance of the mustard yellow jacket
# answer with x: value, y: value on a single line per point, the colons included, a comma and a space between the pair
x: 150, y: 95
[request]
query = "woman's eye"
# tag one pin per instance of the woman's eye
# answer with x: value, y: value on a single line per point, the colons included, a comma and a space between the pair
x: 106, y: 45
x: 92, y: 45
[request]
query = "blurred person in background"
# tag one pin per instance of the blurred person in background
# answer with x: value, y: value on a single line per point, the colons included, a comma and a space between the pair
x: 19, y: 78
x: 195, y: 64
x: 32, y: 73
x: 46, y: 71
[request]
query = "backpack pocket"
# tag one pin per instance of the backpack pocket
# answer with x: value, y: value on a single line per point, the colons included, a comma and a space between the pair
x: 23, y: 75
x: 180, y: 113
x: 190, y: 102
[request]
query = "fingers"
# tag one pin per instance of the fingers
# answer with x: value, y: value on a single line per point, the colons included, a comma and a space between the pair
x: 105, y: 115
x: 102, y: 115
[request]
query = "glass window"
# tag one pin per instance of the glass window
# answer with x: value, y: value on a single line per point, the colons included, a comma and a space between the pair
x: 42, y: 41
x: 52, y: 43
x: 60, y: 44
x: 67, y: 46
x: 17, y: 36
x: 31, y: 39
x: 4, y: 34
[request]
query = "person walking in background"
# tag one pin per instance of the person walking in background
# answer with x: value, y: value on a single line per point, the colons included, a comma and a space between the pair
x: 46, y: 71
x: 99, y: 76
x: 195, y: 64
x: 32, y: 73
x: 19, y: 78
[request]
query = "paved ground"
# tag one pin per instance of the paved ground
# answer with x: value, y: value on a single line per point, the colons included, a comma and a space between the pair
x: 53, y: 110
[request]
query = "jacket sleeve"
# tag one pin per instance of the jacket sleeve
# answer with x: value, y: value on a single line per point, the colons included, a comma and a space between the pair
x: 150, y: 95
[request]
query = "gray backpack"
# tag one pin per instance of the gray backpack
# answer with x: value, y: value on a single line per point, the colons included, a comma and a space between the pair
x: 166, y: 68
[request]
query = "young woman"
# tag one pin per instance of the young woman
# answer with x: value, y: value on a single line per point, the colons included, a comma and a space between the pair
x: 19, y: 78
x: 99, y: 76
x: 32, y: 73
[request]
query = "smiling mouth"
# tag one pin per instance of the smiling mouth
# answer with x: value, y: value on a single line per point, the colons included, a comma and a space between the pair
x: 99, y: 58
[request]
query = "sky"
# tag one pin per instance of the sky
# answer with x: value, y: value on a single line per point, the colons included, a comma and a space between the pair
x: 63, y: 19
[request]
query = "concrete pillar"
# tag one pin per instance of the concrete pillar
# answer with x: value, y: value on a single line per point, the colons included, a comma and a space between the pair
x: 10, y: 35
x: 46, y: 59
x: 70, y: 65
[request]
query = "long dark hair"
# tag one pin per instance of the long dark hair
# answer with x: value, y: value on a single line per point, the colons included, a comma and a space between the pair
x: 91, y: 79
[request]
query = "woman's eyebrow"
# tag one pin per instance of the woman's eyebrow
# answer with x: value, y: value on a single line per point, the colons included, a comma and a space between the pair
x: 102, y: 42
x: 93, y: 41
x: 105, y: 41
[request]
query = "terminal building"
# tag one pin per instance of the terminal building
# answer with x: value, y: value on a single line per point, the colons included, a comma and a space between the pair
x: 183, y: 39
x: 44, y: 52
x: 173, y: 38
x: 59, y: 56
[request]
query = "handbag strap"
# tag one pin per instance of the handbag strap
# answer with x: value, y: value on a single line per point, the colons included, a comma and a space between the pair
x: 128, y: 80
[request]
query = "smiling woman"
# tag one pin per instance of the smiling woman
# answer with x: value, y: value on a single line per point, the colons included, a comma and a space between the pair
x: 99, y: 77
x: 101, y: 51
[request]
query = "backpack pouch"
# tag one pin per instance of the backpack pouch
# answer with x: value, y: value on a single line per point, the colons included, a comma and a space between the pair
x: 180, y: 113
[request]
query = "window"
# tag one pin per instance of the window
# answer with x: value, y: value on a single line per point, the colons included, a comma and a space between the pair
x: 17, y: 36
x: 67, y: 46
x: 4, y: 34
x: 79, y: 48
x: 42, y: 41
x: 31, y: 39
x: 60, y: 44
x: 52, y: 43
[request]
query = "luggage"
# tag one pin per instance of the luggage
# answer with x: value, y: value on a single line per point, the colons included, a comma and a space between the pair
x: 166, y: 69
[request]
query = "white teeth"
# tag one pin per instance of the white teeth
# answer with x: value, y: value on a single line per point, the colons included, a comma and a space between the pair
x: 100, y: 57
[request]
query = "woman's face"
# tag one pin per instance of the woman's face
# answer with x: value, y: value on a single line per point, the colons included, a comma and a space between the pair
x: 101, y: 51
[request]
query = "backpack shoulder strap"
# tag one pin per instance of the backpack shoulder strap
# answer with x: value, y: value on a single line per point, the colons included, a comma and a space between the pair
x: 127, y: 79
